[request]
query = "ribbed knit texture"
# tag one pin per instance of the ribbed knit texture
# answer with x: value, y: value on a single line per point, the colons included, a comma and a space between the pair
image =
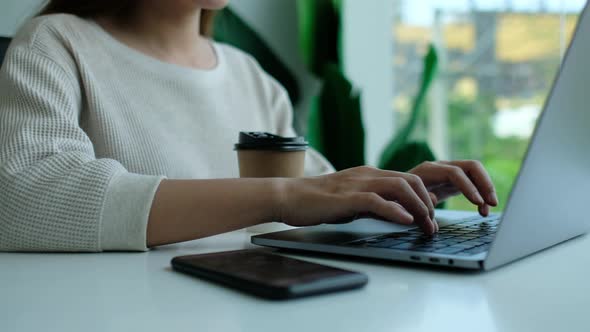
x: 89, y: 127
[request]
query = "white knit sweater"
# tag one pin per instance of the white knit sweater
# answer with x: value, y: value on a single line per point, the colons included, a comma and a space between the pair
x: 89, y: 127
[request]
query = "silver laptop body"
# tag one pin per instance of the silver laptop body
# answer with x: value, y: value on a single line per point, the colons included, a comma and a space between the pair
x: 549, y: 202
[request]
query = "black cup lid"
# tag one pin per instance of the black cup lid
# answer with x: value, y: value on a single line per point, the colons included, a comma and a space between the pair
x: 265, y: 141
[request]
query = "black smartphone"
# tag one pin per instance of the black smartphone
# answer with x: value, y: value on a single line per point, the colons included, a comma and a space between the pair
x: 268, y: 275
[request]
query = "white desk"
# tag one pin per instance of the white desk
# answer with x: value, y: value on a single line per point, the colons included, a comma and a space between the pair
x: 549, y: 291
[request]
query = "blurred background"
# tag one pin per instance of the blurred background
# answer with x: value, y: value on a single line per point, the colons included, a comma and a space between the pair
x: 497, y: 62
x: 392, y: 83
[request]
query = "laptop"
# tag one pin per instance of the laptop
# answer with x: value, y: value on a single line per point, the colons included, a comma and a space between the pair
x: 548, y: 204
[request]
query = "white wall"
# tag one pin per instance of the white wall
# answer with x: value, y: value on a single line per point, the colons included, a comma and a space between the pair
x: 368, y: 56
x: 14, y: 12
x: 276, y: 22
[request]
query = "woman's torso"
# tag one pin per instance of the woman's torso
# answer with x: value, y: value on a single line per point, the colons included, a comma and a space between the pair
x: 159, y: 118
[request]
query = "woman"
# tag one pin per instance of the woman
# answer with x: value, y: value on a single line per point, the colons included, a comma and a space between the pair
x: 116, y: 125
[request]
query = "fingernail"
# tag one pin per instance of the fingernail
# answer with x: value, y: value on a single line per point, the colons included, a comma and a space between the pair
x: 483, y: 210
x: 431, y: 227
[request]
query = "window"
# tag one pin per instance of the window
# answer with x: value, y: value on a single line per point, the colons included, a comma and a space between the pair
x: 497, y: 62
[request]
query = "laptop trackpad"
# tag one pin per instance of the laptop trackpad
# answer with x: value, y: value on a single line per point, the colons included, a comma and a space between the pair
x: 376, y: 226
x: 337, y: 233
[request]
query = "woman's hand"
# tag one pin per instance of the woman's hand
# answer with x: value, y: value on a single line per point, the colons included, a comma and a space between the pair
x: 228, y: 204
x: 405, y: 198
x: 395, y: 196
x: 468, y: 177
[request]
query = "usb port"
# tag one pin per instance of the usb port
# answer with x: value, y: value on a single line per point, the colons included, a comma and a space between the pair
x: 415, y: 258
x: 434, y: 260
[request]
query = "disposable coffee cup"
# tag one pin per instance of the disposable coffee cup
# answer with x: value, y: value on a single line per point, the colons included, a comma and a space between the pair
x: 262, y: 155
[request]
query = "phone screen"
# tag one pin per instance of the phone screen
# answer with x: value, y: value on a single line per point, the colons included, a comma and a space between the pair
x: 264, y: 267
x: 257, y: 267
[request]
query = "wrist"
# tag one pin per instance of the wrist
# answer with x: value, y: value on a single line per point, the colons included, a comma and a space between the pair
x: 278, y: 197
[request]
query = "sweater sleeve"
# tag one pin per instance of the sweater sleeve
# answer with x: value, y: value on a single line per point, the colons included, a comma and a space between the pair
x: 54, y: 194
x: 315, y: 163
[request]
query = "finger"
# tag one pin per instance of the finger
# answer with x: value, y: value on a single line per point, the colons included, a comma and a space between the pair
x: 484, y: 210
x: 407, y: 197
x: 445, y: 191
x: 420, y: 189
x: 480, y: 177
x: 433, y: 198
x: 398, y: 189
x: 456, y: 175
x: 375, y: 204
x: 415, y: 182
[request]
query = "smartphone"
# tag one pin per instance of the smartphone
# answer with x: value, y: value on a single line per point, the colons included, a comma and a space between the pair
x: 268, y: 275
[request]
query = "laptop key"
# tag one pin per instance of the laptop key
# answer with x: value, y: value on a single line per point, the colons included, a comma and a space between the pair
x: 424, y: 249
x: 438, y: 240
x: 463, y: 238
x: 472, y: 244
x: 446, y: 235
x: 450, y: 242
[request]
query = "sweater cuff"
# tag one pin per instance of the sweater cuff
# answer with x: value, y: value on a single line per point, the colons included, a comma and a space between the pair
x: 126, y: 211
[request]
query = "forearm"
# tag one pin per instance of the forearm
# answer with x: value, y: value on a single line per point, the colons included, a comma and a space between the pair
x: 190, y: 209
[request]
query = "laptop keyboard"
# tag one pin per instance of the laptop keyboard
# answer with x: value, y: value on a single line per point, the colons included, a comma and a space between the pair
x: 465, y: 238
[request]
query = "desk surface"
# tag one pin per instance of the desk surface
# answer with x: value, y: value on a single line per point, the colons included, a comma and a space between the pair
x: 139, y: 292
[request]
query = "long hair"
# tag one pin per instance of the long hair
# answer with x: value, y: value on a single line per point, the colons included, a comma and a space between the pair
x: 115, y: 8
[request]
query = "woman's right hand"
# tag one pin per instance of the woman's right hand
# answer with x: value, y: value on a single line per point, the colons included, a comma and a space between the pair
x: 394, y: 196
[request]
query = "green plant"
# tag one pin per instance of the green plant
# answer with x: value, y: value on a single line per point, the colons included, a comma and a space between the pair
x: 343, y: 141
x: 472, y: 137
x: 335, y: 125
x: 402, y: 154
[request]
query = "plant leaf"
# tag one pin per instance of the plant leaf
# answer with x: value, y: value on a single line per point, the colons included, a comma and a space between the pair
x: 319, y: 30
x: 340, y: 120
x: 409, y: 156
x: 430, y: 68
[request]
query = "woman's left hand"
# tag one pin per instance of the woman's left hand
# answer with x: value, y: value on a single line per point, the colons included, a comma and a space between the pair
x: 445, y: 179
